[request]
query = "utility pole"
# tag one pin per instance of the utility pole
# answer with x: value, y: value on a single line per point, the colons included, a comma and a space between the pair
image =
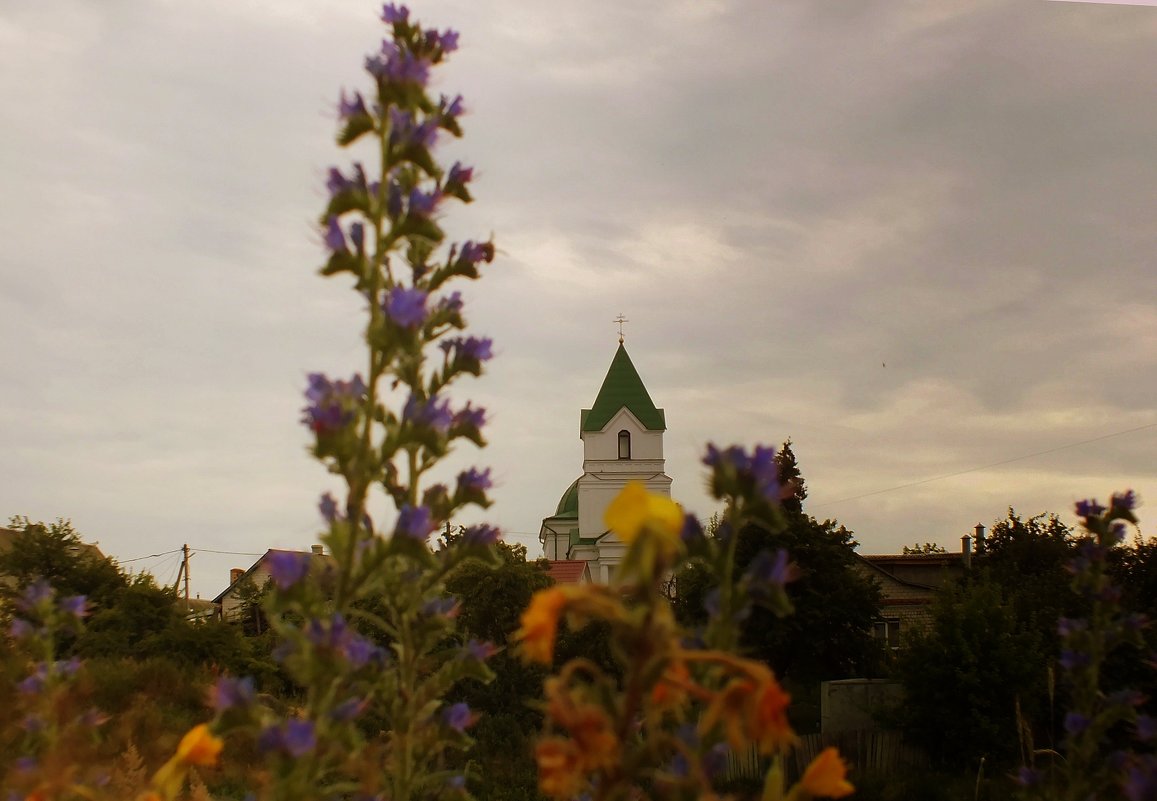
x: 185, y: 551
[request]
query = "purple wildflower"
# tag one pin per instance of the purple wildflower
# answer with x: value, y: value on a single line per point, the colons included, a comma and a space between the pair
x: 359, y: 651
x: 74, y: 605
x: 397, y: 65
x: 1067, y: 626
x: 472, y: 482
x: 229, y: 692
x: 735, y: 471
x: 450, y: 108
x: 459, y: 174
x: 20, y: 629
x: 481, y: 650
x: 475, y: 252
x: 1125, y: 501
x: 393, y: 14
x: 1072, y: 660
x: 482, y: 534
x: 406, y: 307
x: 1076, y: 723
x: 458, y: 717
x: 358, y: 236
x: 456, y: 782
x: 352, y: 106
x: 414, y: 522
x: 334, y: 236
x: 336, y: 183
x: 34, y: 594
x: 1141, y: 780
x: 434, y: 413
x: 715, y: 760
x: 768, y: 570
x: 692, y: 530
x: 405, y: 131
x: 469, y: 417
x: 328, y: 508
x: 35, y: 681
x: 25, y: 764
x: 422, y: 204
x: 1146, y: 727
x: 471, y: 350
x: 1027, y: 777
x: 441, y: 607
x: 1089, y: 508
x: 449, y: 41
x: 451, y: 303
x: 331, y: 403
x: 348, y: 709
x: 294, y: 737
x: 287, y: 568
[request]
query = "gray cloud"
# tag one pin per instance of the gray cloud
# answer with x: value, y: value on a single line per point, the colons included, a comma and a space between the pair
x: 781, y: 197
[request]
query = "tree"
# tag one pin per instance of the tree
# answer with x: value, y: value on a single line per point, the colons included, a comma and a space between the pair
x: 963, y: 677
x: 55, y: 552
x: 829, y: 635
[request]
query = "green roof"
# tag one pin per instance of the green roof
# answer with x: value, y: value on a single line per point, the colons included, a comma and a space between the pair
x: 623, y: 388
x: 568, y: 503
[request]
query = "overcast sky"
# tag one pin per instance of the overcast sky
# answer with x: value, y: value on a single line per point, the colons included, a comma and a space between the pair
x: 915, y: 236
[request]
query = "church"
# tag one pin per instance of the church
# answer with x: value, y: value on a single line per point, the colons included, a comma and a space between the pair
x: 622, y: 436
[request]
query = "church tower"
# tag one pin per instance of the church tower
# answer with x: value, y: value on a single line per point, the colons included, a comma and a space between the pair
x: 622, y: 436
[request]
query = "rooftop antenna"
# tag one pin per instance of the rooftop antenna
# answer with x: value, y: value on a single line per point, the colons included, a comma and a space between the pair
x: 620, y: 320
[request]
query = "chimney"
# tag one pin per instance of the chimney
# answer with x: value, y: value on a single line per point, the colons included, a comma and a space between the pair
x: 235, y: 574
x: 980, y: 538
x: 966, y: 551
x: 318, y: 550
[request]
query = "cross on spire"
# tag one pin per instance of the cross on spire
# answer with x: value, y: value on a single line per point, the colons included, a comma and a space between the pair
x: 620, y: 320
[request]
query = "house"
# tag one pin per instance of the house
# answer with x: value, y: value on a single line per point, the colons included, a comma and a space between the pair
x: 232, y: 599
x: 908, y: 585
x: 622, y: 436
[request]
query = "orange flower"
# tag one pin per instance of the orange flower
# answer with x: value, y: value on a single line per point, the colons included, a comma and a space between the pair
x: 826, y: 776
x: 762, y: 720
x: 199, y: 747
x: 671, y: 689
x: 540, y: 624
x: 771, y: 728
x: 559, y: 772
x: 588, y: 724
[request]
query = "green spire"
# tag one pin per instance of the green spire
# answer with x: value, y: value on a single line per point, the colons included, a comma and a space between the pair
x: 623, y: 387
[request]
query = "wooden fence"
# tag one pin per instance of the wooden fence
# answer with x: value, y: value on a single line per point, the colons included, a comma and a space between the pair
x: 880, y: 753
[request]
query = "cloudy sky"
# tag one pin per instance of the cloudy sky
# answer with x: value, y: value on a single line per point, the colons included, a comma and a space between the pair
x: 915, y: 236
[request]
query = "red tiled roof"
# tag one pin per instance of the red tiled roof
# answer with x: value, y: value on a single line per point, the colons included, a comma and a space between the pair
x: 567, y: 571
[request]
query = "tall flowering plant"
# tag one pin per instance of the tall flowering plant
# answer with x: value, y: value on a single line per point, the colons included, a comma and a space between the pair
x: 1099, y: 722
x: 663, y: 724
x: 368, y: 631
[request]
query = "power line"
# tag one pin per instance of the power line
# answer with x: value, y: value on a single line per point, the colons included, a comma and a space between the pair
x: 987, y: 466
x: 227, y: 553
x: 150, y: 556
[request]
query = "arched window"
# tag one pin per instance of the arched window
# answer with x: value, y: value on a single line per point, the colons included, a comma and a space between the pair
x: 624, y: 444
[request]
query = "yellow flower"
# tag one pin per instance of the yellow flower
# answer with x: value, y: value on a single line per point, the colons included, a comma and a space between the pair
x: 199, y: 747
x: 540, y: 624
x: 635, y: 510
x: 826, y: 776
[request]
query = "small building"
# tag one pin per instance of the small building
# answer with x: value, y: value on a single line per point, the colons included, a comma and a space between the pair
x: 908, y: 585
x: 231, y: 599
